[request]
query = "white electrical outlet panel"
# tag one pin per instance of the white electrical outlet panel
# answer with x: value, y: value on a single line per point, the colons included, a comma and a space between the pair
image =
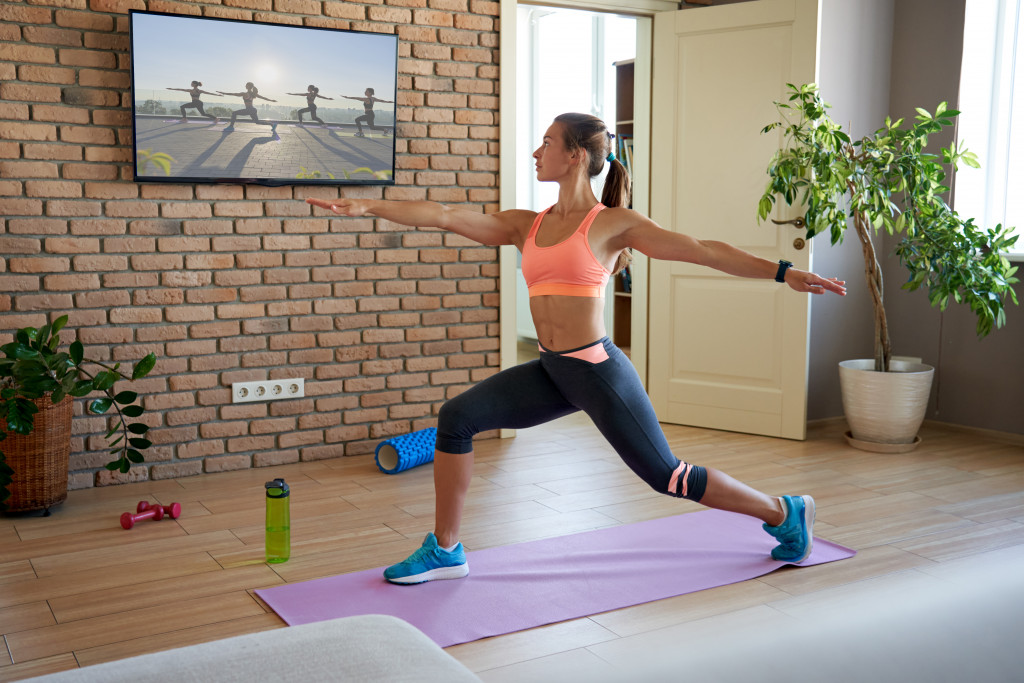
x: 267, y: 390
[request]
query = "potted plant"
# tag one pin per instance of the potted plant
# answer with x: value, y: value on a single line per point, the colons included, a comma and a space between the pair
x: 888, y: 181
x: 37, y: 383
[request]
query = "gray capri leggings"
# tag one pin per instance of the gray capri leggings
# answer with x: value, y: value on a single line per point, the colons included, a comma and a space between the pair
x: 609, y: 392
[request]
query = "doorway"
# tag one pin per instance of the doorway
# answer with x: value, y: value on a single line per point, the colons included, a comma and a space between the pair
x: 568, y: 60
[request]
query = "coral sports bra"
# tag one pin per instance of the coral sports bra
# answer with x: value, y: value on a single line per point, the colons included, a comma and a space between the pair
x: 568, y: 268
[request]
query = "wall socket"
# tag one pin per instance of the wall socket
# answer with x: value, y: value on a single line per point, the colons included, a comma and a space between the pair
x: 267, y: 390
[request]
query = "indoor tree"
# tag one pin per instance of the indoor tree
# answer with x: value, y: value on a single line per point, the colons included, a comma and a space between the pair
x: 889, y: 181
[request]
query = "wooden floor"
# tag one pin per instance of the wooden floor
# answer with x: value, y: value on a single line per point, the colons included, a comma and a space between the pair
x: 76, y: 589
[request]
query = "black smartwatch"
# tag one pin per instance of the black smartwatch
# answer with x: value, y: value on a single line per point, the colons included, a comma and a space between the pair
x: 780, y: 275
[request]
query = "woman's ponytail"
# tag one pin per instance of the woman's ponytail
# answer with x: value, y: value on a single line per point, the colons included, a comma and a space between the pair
x: 617, y: 185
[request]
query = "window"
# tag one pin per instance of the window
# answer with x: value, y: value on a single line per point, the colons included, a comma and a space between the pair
x: 992, y: 122
x: 566, y: 64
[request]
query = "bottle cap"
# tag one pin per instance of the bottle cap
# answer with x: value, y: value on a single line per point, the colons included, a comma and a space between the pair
x: 277, y: 489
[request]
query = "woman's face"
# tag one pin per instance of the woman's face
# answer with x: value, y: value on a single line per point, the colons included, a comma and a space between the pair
x: 553, y: 160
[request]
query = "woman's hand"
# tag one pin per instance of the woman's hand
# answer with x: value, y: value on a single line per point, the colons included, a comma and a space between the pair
x: 343, y: 207
x: 803, y: 281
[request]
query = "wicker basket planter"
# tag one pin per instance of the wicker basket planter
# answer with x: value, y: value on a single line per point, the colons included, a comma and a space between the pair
x: 40, y: 459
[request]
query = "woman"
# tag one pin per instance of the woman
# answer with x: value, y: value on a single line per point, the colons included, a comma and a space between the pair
x: 311, y: 94
x: 368, y: 114
x: 196, y: 103
x: 569, y: 251
x: 251, y: 92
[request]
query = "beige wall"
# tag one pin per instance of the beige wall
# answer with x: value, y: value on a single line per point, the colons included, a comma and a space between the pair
x: 229, y: 283
x: 978, y: 383
x: 853, y: 72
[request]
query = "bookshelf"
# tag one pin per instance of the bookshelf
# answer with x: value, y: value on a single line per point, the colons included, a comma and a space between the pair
x: 623, y: 304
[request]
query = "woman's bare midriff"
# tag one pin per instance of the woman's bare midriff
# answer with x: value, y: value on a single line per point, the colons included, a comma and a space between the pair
x: 564, y: 323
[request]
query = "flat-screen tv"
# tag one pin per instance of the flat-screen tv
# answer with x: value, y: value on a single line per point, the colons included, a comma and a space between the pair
x: 220, y: 100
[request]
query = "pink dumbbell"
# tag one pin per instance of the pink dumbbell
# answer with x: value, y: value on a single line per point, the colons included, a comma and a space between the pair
x: 173, y: 510
x: 128, y: 520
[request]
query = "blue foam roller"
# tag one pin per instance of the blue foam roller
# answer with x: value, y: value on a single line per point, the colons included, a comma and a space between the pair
x: 400, y: 453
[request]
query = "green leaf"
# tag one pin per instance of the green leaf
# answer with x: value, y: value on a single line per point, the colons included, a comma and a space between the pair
x: 134, y: 456
x: 126, y: 397
x: 144, y: 366
x: 140, y: 443
x: 77, y: 352
x: 43, y: 339
x: 138, y: 428
x: 100, y: 405
x: 104, y: 380
x: 133, y: 411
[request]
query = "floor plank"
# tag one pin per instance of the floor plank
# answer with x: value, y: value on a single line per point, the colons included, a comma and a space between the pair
x: 111, y: 628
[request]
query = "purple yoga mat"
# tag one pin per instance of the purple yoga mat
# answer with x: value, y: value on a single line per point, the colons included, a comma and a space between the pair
x: 515, y: 587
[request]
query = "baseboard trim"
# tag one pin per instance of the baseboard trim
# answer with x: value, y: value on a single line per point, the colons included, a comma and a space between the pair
x: 991, y: 434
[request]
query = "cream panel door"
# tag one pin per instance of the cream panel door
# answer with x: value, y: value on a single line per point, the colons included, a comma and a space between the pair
x: 726, y: 353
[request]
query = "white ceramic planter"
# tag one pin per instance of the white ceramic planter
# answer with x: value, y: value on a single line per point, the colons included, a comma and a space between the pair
x: 885, y: 408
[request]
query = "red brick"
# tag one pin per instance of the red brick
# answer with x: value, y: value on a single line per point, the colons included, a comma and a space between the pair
x: 48, y: 188
x: 30, y: 131
x: 102, y: 299
x: 13, y: 111
x: 52, y: 36
x: 89, y: 171
x: 90, y: 97
x: 166, y: 192
x: 105, y: 79
x: 474, y: 22
x: 107, y: 42
x: 72, y: 208
x: 72, y: 283
x: 18, y: 52
x: 463, y: 38
x: 100, y: 263
x: 108, y: 154
x: 449, y: 5
x: 485, y: 7
x: 91, y: 58
x: 20, y: 207
x: 85, y: 20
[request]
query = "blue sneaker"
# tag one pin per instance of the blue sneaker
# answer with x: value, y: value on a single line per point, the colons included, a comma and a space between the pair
x: 796, y: 534
x: 428, y: 563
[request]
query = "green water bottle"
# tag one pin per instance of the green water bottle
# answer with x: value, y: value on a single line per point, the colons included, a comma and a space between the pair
x: 279, y: 540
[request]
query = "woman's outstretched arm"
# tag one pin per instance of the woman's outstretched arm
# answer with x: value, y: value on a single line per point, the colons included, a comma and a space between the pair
x: 649, y: 238
x: 490, y: 229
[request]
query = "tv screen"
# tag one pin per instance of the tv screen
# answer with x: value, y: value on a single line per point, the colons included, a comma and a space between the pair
x: 219, y: 100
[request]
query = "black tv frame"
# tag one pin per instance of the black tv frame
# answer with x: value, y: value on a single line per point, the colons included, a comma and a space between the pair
x: 336, y: 134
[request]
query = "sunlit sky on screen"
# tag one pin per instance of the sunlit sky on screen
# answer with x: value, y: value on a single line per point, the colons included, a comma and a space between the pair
x: 172, y: 51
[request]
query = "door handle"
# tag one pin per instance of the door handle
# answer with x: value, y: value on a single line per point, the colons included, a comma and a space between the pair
x: 797, y: 222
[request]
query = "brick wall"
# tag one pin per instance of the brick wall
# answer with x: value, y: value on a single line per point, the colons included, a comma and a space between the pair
x: 229, y: 283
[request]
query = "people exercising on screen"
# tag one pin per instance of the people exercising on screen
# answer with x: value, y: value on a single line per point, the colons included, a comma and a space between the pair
x: 368, y: 114
x: 196, y: 103
x: 251, y: 92
x: 311, y: 94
